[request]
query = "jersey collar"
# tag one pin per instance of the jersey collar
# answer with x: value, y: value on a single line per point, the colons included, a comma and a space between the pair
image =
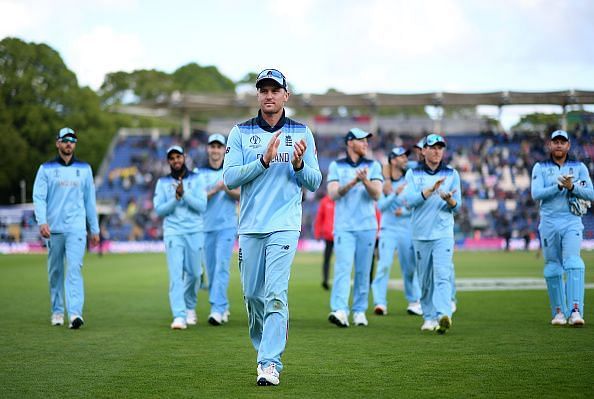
x: 428, y: 170
x: 265, y: 126
x: 63, y: 163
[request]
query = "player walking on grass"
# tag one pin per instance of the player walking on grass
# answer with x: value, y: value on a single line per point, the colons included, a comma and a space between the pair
x: 433, y: 193
x: 180, y: 199
x: 271, y: 157
x: 564, y: 189
x: 64, y: 200
x: 220, y: 229
x: 355, y: 183
x: 395, y: 234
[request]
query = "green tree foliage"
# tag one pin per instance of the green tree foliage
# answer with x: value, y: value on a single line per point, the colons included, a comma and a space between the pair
x: 194, y: 78
x: 38, y: 96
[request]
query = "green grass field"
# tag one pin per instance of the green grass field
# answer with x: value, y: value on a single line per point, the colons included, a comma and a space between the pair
x: 500, y: 345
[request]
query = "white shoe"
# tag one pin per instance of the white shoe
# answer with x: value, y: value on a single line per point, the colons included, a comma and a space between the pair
x: 339, y: 318
x: 575, y: 319
x: 429, y: 325
x: 454, y: 307
x: 559, y: 319
x: 268, y: 375
x: 76, y: 322
x: 380, y: 310
x: 414, y: 308
x: 225, y: 318
x: 444, y: 324
x: 57, y: 319
x: 359, y: 319
x: 191, y: 318
x: 215, y: 319
x: 179, y: 323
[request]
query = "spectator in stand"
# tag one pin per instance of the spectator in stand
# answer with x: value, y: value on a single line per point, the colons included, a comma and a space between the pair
x: 324, y: 229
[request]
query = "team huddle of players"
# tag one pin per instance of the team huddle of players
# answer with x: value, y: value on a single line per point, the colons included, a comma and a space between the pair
x: 266, y: 162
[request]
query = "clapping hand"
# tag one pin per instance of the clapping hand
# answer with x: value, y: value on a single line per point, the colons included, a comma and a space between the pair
x: 300, y: 147
x: 566, y: 181
x: 179, y: 191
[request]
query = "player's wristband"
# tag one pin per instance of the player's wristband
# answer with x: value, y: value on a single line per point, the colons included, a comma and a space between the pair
x: 266, y: 165
x: 300, y: 167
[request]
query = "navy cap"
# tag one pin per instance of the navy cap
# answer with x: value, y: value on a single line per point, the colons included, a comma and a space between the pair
x: 398, y: 151
x: 67, y: 134
x: 434, y: 139
x: 560, y: 133
x: 356, y: 134
x: 273, y: 75
x: 217, y: 138
x: 175, y: 148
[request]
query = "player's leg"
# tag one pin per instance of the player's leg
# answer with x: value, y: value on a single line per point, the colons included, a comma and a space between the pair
x: 379, y: 286
x: 329, y: 245
x: 363, y: 255
x: 453, y: 283
x: 280, y: 252
x: 74, y: 287
x: 406, y: 258
x: 252, y: 268
x: 575, y: 268
x: 423, y: 262
x: 443, y: 251
x: 175, y: 250
x: 55, y: 269
x: 553, y: 272
x: 193, y: 251
x: 210, y: 241
x: 344, y: 245
x: 220, y: 282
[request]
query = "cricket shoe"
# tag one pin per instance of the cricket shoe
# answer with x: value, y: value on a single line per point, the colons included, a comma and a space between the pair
x: 559, y: 319
x: 414, y: 308
x: 380, y: 310
x: 268, y: 375
x: 444, y: 324
x: 575, y: 319
x: 191, y: 318
x: 429, y: 325
x: 359, y: 319
x: 57, y: 319
x: 179, y: 323
x: 339, y: 318
x: 215, y: 319
x: 76, y: 322
x: 225, y: 317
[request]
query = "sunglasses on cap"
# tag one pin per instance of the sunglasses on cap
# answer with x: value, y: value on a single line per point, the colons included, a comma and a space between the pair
x: 68, y: 139
x: 273, y: 74
x: 434, y: 139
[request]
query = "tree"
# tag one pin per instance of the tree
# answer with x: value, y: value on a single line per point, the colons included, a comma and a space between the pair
x: 38, y: 96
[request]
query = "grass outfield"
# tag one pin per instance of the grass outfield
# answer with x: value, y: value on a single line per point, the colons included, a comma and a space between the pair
x: 500, y: 345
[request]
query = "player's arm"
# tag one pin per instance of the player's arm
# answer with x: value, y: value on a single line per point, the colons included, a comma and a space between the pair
x: 235, y: 193
x: 453, y: 198
x: 235, y: 173
x: 164, y: 204
x: 582, y: 187
x: 412, y: 195
x: 373, y: 180
x: 386, y: 201
x: 538, y: 190
x: 40, y: 201
x: 335, y: 191
x: 308, y: 174
x: 91, y: 205
x: 196, y: 197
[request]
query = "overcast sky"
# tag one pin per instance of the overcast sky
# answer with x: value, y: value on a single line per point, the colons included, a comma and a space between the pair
x: 386, y: 46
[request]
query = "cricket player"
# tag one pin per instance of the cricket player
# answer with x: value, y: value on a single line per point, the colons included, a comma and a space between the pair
x: 395, y: 234
x: 180, y: 199
x: 64, y: 200
x: 272, y: 158
x: 220, y: 229
x: 354, y: 183
x: 564, y: 189
x: 433, y: 193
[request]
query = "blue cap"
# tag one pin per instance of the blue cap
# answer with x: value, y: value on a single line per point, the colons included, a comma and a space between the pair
x: 175, y: 148
x: 560, y: 133
x: 356, y: 134
x: 273, y: 75
x: 434, y: 139
x: 217, y: 138
x: 421, y: 143
x: 67, y: 134
x: 397, y: 151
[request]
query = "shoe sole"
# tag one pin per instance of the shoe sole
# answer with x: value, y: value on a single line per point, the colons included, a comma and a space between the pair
x: 263, y: 382
x: 213, y: 322
x: 413, y: 313
x: 578, y: 324
x: 334, y: 320
x: 444, y: 325
x: 380, y: 312
x: 76, y: 324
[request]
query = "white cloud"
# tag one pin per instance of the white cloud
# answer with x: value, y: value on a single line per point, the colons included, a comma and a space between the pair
x: 104, y: 50
x: 17, y: 17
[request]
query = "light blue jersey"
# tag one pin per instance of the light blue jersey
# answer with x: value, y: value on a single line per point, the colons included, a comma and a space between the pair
x: 64, y: 196
x: 554, y: 203
x: 270, y: 197
x: 432, y: 218
x: 388, y: 204
x: 186, y: 215
x: 221, y: 208
x: 355, y: 211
